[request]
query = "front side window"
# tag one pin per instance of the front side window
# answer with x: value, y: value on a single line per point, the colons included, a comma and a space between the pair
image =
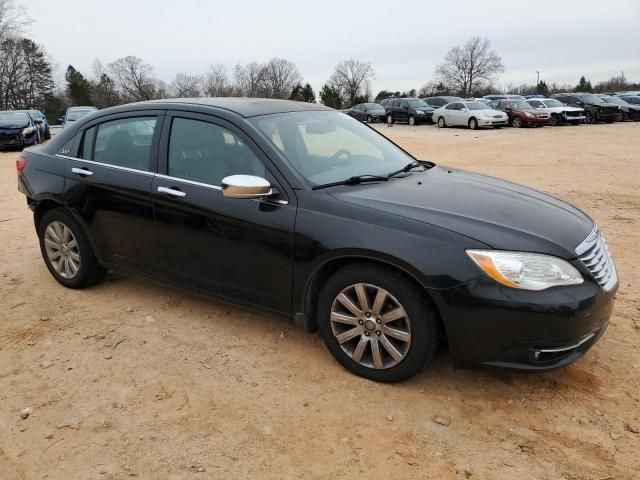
x: 86, y: 151
x: 326, y: 147
x: 125, y: 142
x: 206, y: 152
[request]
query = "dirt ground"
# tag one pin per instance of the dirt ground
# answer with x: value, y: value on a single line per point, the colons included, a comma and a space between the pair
x: 129, y: 379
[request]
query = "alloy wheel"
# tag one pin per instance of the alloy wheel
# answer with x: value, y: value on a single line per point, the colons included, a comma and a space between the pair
x: 389, y: 119
x: 371, y: 326
x: 516, y: 122
x: 369, y: 119
x: 441, y: 122
x: 619, y: 117
x: 62, y: 249
x: 473, y: 124
x: 412, y: 120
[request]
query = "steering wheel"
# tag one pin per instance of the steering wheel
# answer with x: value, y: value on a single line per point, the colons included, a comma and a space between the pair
x: 340, y: 153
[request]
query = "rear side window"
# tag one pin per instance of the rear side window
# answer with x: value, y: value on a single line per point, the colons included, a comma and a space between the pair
x: 206, y: 152
x: 125, y: 142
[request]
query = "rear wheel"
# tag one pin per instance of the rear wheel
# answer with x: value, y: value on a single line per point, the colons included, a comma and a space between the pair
x: 376, y: 323
x: 554, y: 121
x: 389, y: 120
x: 412, y: 120
x: 516, y: 122
x: 369, y: 119
x: 66, y: 250
x: 473, y: 123
x: 620, y: 117
x: 588, y: 117
x: 441, y: 122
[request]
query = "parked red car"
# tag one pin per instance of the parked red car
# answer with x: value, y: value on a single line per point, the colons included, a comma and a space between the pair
x: 521, y: 114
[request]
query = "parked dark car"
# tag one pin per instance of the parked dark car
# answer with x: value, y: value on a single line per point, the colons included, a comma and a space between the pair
x: 41, y: 121
x: 595, y: 109
x: 627, y: 111
x: 503, y: 96
x: 632, y: 99
x: 296, y: 209
x: 368, y: 112
x: 17, y: 129
x: 437, y: 102
x: 411, y: 110
x: 522, y: 114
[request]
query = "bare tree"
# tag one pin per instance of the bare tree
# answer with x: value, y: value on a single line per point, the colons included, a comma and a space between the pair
x: 352, y: 78
x: 186, y: 86
x: 250, y: 79
x: 216, y: 82
x: 470, y: 67
x: 280, y: 77
x: 135, y: 78
x: 13, y: 20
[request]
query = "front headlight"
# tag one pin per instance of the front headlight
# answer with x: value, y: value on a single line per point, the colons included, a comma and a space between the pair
x: 27, y: 130
x: 528, y: 271
x: 529, y: 115
x: 419, y: 112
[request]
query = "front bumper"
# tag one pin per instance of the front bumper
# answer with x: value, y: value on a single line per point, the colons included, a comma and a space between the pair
x: 536, y: 121
x: 426, y: 118
x: 493, y: 122
x: 491, y: 325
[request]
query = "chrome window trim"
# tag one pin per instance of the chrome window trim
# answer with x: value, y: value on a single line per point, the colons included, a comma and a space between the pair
x: 107, y: 165
x: 190, y: 182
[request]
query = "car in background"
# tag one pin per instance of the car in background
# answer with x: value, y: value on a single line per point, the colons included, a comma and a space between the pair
x: 42, y: 123
x: 437, y: 102
x: 534, y: 95
x: 503, y: 96
x: 469, y: 114
x: 367, y: 112
x: 17, y: 129
x: 595, y: 109
x: 635, y: 94
x: 409, y: 109
x: 75, y: 113
x: 632, y: 99
x: 558, y: 111
x: 628, y: 111
x: 521, y: 114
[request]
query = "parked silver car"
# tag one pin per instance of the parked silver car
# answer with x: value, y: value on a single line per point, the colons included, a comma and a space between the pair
x: 472, y: 114
x: 558, y: 111
x: 75, y: 113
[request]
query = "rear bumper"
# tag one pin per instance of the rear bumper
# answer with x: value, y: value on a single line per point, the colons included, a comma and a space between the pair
x: 491, y: 325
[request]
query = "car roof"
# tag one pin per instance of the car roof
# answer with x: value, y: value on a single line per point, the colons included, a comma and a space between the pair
x: 82, y: 108
x: 246, y: 107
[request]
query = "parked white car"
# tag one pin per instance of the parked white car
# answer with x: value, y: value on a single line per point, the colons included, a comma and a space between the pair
x: 471, y: 114
x: 558, y: 111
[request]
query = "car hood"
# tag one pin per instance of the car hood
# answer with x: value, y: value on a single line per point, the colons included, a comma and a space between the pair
x: 489, y: 111
x: 10, y: 127
x: 501, y: 214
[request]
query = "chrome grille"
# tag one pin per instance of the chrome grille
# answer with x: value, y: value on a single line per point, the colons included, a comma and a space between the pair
x: 594, y: 254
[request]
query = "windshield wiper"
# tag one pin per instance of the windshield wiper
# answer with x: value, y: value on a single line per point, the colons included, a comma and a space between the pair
x: 407, y: 168
x: 353, y: 181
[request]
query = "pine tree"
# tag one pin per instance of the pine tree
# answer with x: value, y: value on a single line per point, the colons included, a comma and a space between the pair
x: 78, y: 87
x: 584, y: 85
x: 330, y: 96
x: 308, y: 95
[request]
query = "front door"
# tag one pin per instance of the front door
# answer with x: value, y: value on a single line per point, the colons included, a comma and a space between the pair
x: 238, y: 248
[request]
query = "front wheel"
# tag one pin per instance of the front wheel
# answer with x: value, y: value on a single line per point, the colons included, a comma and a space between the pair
x: 588, y: 117
x: 389, y: 120
x: 412, y: 120
x: 620, y: 117
x: 553, y: 121
x: 441, y: 122
x: 376, y: 323
x: 516, y: 122
x: 66, y: 250
x: 369, y: 119
x: 473, y: 124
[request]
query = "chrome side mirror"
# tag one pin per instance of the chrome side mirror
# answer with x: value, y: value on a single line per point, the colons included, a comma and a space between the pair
x: 246, y: 186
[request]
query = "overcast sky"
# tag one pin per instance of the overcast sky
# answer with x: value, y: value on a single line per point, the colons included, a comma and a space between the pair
x: 404, y: 40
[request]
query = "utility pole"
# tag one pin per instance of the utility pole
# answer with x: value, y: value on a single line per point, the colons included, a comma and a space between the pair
x: 538, y: 77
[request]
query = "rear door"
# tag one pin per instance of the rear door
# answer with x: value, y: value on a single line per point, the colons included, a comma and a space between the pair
x: 108, y: 185
x: 238, y: 248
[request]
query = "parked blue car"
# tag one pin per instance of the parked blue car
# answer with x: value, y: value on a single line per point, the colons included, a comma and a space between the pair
x: 18, y: 130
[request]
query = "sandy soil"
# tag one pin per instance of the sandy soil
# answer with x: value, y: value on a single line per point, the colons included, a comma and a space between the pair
x: 201, y: 389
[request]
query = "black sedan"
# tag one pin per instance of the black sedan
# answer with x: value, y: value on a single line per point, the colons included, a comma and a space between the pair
x: 367, y: 112
x: 296, y: 209
x: 628, y: 110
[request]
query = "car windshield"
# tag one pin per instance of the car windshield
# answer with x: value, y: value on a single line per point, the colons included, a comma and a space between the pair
x: 552, y: 103
x: 590, y: 99
x: 416, y: 103
x: 476, y: 106
x: 519, y: 104
x: 373, y: 106
x: 13, y: 118
x: 634, y: 100
x: 325, y: 147
x: 615, y: 100
x: 78, y: 114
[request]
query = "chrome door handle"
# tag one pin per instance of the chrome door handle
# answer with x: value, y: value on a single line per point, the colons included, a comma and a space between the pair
x: 82, y: 171
x: 171, y: 191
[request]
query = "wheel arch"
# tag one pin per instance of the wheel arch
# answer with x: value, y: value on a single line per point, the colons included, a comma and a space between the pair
x: 308, y: 320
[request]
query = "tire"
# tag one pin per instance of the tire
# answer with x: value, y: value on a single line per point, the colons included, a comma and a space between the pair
x: 441, y: 122
x: 588, y: 118
x: 369, y: 119
x: 418, y: 328
x: 473, y: 123
x: 412, y: 120
x: 516, y: 122
x: 389, y: 119
x: 553, y: 121
x: 89, y: 271
x: 620, y: 117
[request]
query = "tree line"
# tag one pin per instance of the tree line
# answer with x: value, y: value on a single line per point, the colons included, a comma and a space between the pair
x: 26, y: 77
